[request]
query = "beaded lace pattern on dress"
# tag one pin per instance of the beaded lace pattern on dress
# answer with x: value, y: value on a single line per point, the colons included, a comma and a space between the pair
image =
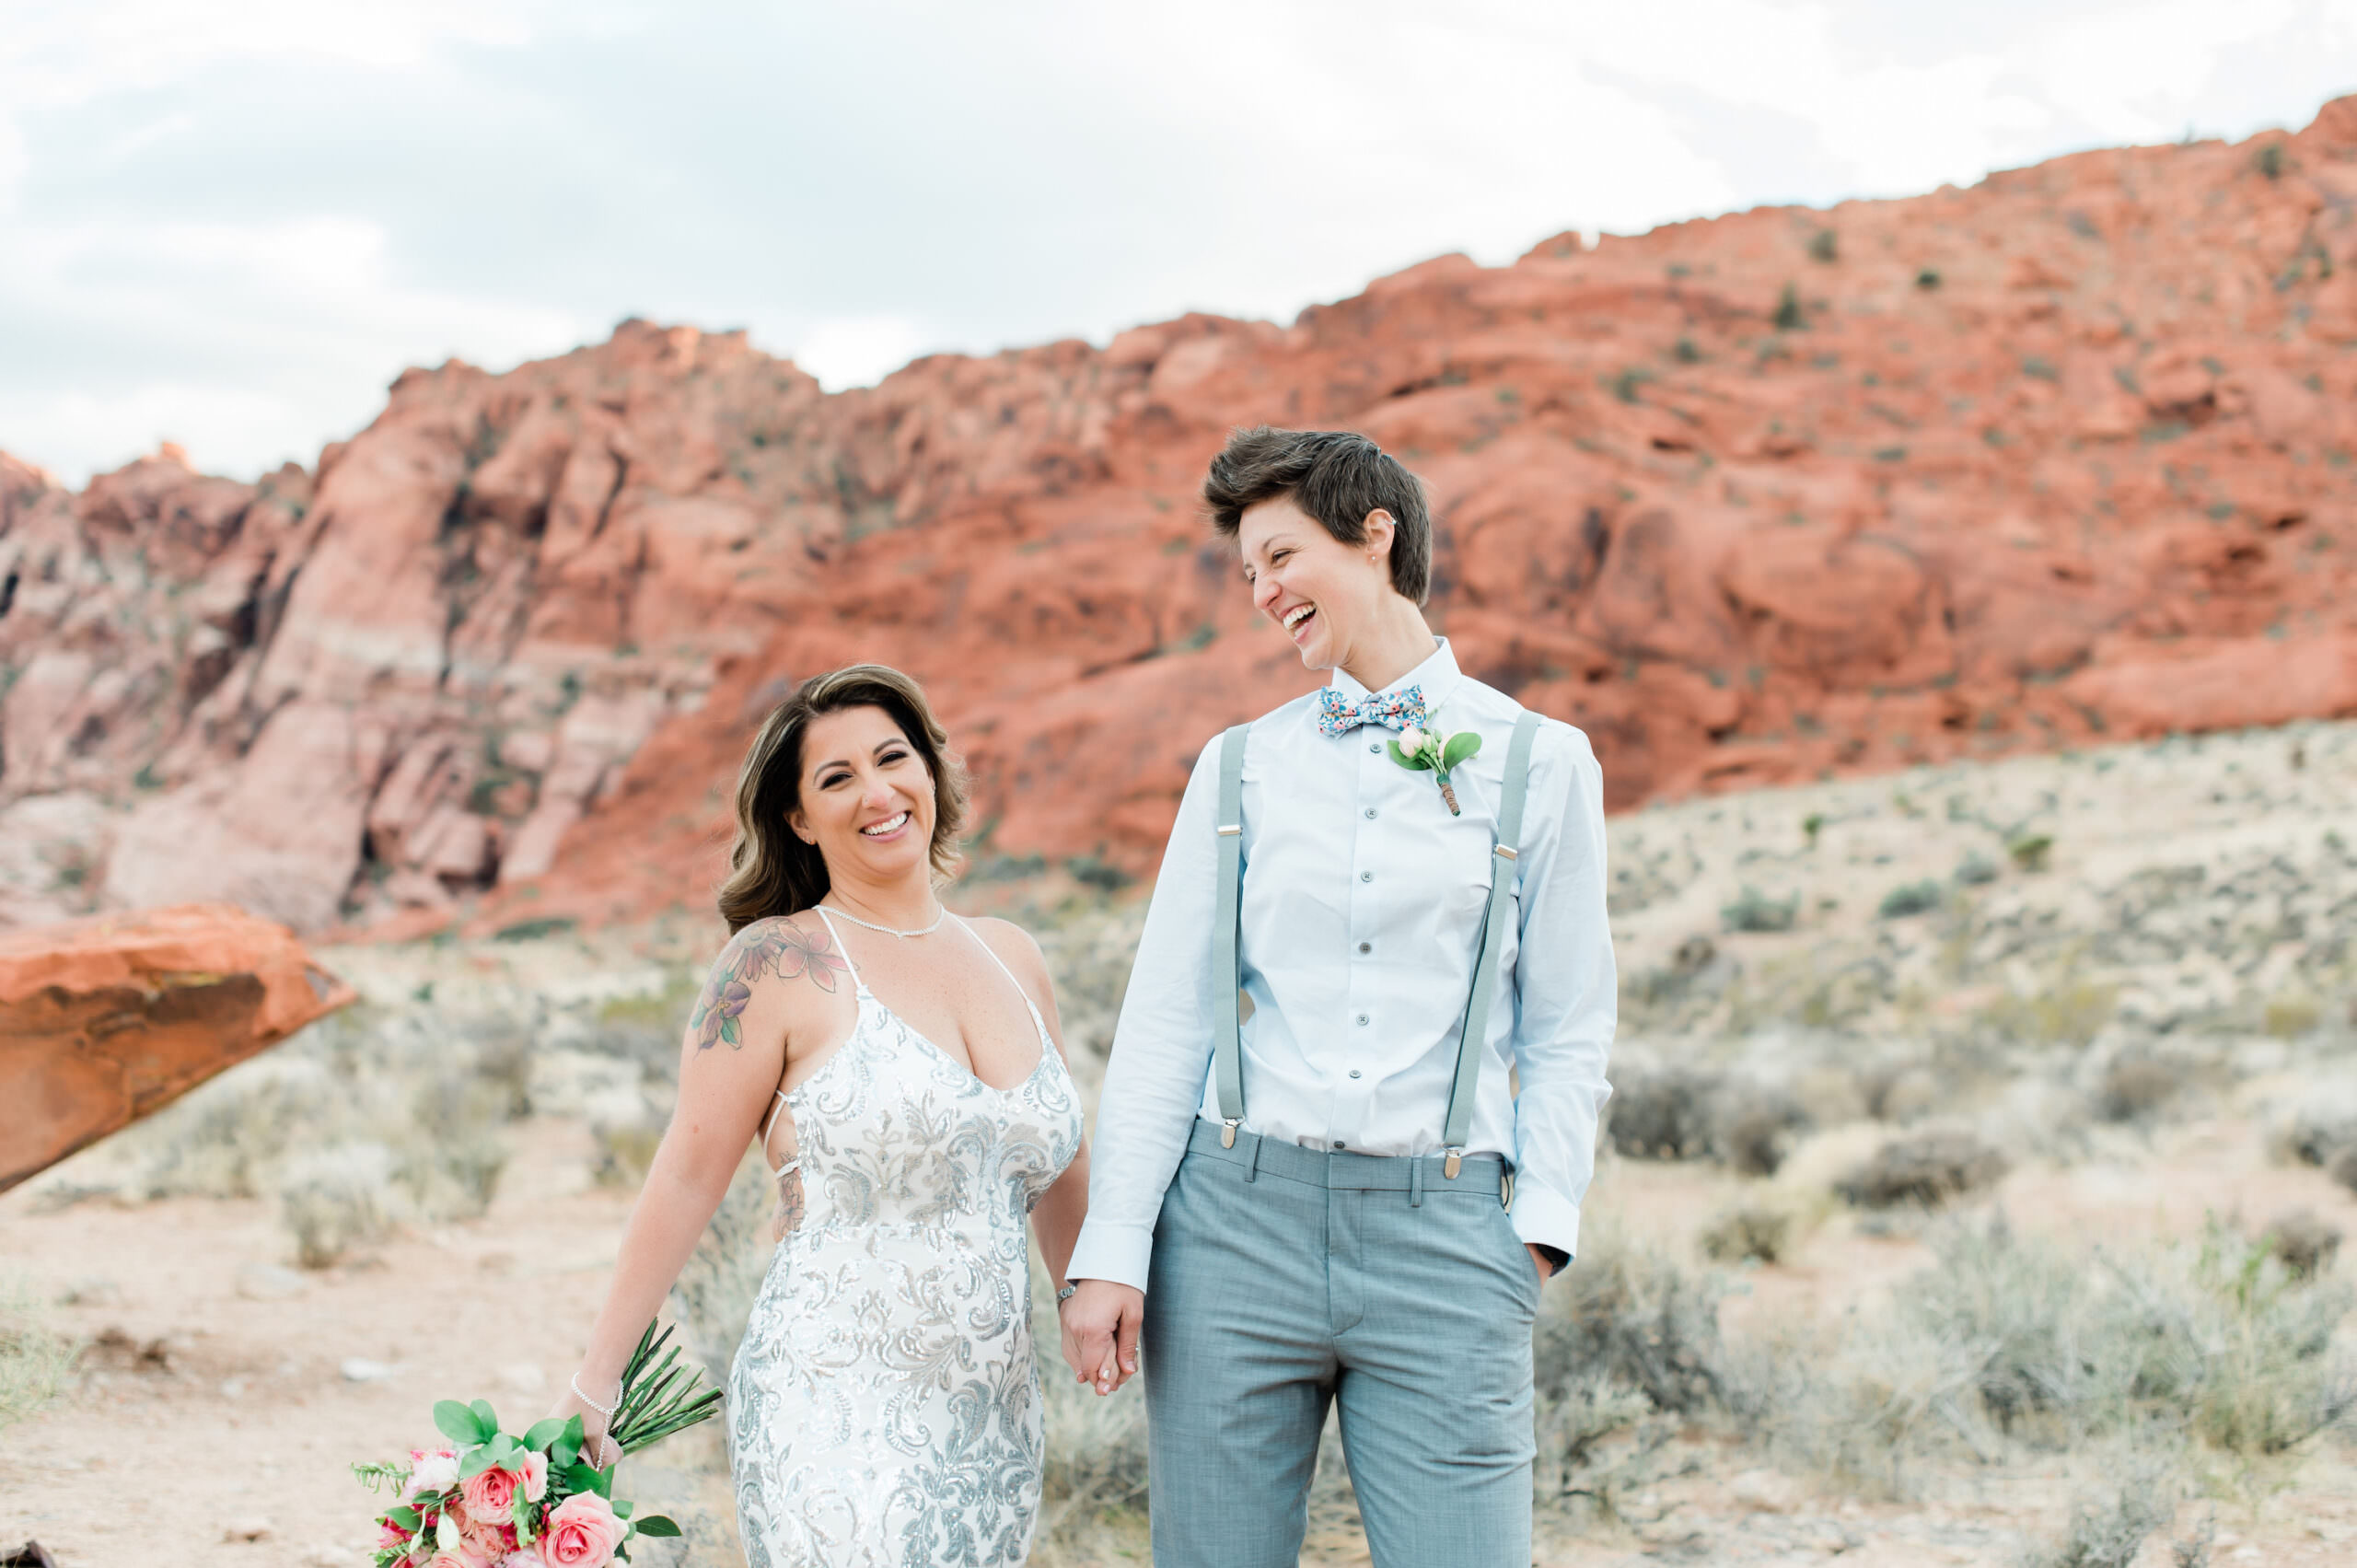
x: 884, y: 1407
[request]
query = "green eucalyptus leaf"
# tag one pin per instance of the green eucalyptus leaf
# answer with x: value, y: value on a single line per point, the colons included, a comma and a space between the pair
x: 479, y: 1460
x: 484, y: 1414
x: 1407, y: 758
x: 584, y: 1478
x: 405, y: 1517
x: 657, y: 1524
x: 544, y: 1433
x: 457, y: 1422
x: 623, y: 1508
x: 1464, y: 744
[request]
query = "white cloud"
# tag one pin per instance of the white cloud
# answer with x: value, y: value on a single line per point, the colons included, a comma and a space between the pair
x: 231, y: 222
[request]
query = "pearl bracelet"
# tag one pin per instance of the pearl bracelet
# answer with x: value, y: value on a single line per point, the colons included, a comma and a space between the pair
x: 605, y: 1411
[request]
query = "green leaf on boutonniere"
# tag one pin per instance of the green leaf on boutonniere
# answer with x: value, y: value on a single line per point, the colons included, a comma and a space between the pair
x: 1460, y: 746
x: 1407, y: 759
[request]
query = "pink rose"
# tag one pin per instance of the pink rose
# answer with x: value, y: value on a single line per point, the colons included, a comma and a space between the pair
x: 581, y: 1532
x: 536, y: 1476
x: 489, y: 1494
x: 453, y: 1560
x: 522, y: 1557
x: 485, y: 1541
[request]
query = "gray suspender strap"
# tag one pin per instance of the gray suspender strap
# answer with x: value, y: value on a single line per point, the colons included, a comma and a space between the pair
x: 1474, y: 1040
x: 1227, y: 974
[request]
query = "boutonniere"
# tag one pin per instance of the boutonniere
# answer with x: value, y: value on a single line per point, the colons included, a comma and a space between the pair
x: 1431, y: 752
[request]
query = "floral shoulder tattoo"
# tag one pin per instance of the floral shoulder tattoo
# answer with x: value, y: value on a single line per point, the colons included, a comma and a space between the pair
x: 767, y: 946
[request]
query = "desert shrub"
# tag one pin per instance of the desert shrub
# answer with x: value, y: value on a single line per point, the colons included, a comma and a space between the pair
x: 2320, y: 1127
x: 2290, y: 1016
x: 1911, y: 897
x: 1789, y: 315
x: 1629, y: 1315
x: 1757, y: 1131
x: 35, y: 1360
x: 2070, y: 1012
x: 2343, y: 1167
x: 1748, y: 1231
x: 2004, y: 1341
x: 1093, y: 1498
x: 1663, y: 1113
x: 1824, y: 245
x: 2108, y: 1530
x: 1927, y: 1169
x: 335, y: 1199
x: 2135, y: 1084
x: 1899, y: 1091
x: 1976, y: 870
x: 414, y: 1100
x: 2303, y: 1242
x: 1753, y: 910
x: 2031, y: 852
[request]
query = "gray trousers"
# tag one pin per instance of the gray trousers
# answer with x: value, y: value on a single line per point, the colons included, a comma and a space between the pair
x: 1285, y: 1279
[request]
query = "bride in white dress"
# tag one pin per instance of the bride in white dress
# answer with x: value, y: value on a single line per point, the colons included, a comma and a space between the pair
x: 902, y: 1069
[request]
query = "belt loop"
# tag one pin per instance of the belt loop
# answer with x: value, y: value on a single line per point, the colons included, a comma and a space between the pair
x: 1252, y: 1161
x: 1416, y: 1182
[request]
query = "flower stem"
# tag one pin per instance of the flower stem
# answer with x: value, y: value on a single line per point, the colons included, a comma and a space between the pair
x: 1448, y: 793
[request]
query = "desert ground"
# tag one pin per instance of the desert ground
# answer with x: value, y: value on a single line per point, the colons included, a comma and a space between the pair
x: 1982, y: 1141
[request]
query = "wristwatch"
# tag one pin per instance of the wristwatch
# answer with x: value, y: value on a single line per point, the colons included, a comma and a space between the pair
x: 1066, y: 1294
x: 1557, y: 1259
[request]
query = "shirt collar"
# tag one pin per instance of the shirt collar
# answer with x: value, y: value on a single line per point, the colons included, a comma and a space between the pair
x: 1437, y: 676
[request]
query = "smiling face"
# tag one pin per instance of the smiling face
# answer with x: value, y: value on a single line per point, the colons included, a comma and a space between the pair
x: 867, y: 796
x: 1323, y: 594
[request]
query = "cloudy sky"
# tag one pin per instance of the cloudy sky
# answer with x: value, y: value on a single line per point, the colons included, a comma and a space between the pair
x: 229, y: 223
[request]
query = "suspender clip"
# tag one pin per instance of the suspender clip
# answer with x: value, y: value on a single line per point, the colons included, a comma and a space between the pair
x: 1227, y: 1132
x: 1448, y: 1166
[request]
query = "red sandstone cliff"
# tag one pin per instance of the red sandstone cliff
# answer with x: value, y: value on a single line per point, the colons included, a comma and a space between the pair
x: 2064, y: 454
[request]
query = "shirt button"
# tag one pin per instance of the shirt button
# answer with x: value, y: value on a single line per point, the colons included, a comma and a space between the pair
x: 1338, y: 1143
x: 1362, y: 1020
x: 1366, y: 876
x: 1366, y: 946
x: 1376, y: 746
x: 1355, y: 1072
x: 1370, y: 813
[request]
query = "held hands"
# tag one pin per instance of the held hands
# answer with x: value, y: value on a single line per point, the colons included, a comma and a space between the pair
x: 1100, y: 1332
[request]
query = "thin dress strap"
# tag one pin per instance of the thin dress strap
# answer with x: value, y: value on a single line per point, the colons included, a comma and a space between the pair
x: 770, y: 1126
x: 858, y: 980
x: 1037, y: 1021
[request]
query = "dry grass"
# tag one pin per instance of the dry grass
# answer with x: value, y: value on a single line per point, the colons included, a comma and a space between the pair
x: 35, y: 1360
x: 2009, y: 1347
x: 1924, y: 1169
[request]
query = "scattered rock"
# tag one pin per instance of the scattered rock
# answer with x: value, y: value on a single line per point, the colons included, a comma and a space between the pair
x: 1926, y: 1168
x: 269, y: 1282
x: 113, y: 1347
x: 247, y: 1529
x: 360, y: 1369
x: 32, y: 1554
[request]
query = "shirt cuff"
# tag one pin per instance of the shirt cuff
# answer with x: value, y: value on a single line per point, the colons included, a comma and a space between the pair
x: 1121, y: 1253
x: 1541, y: 1217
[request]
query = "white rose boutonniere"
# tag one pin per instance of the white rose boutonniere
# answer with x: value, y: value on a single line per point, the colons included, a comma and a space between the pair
x: 1431, y: 752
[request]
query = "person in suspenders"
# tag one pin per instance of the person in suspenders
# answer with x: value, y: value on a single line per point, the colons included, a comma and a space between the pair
x: 1343, y: 1201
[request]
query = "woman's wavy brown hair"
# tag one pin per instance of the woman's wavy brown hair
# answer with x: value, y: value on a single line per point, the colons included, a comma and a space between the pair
x: 773, y: 871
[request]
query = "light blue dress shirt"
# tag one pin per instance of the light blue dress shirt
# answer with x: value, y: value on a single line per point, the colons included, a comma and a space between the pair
x: 1362, y: 906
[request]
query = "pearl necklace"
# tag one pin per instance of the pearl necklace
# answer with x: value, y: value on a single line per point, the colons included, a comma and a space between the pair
x: 920, y: 931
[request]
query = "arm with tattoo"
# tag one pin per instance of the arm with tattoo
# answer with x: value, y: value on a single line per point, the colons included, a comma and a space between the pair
x: 773, y: 945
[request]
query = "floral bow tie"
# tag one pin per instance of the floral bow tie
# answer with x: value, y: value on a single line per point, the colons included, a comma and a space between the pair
x: 1403, y: 709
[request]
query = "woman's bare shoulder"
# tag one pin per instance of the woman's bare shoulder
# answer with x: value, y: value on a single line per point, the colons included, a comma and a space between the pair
x: 770, y: 959
x: 1018, y: 948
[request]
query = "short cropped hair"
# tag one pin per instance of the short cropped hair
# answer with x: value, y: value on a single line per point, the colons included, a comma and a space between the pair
x: 1337, y: 477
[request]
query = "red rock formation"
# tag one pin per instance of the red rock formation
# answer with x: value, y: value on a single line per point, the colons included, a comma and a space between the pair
x: 2062, y: 457
x: 104, y: 1021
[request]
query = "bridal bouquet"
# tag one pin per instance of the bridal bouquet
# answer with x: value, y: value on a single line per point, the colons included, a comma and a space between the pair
x: 490, y: 1499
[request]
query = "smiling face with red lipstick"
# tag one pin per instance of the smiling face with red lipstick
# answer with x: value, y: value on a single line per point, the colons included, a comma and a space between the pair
x: 1336, y: 545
